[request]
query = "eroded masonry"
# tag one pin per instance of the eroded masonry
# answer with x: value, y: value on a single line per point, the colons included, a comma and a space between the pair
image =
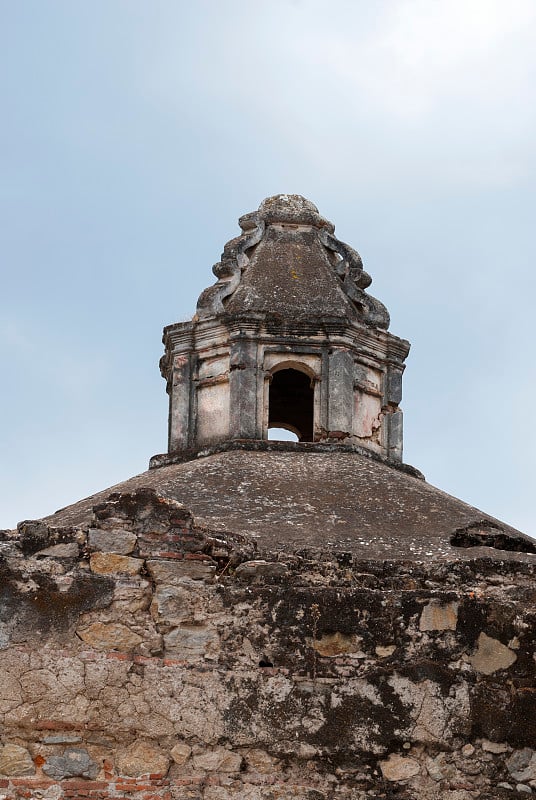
x: 264, y: 619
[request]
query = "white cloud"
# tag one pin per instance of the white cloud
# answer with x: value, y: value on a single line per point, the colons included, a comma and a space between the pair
x: 421, y: 53
x: 441, y: 92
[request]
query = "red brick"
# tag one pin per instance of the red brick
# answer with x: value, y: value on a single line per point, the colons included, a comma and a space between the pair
x: 81, y: 784
x: 145, y: 659
x: 136, y: 787
x: 33, y: 783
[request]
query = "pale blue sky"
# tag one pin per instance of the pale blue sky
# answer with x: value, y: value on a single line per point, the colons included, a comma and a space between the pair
x: 135, y: 133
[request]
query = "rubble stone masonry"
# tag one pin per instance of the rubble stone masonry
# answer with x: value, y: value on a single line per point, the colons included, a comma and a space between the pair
x: 146, y: 657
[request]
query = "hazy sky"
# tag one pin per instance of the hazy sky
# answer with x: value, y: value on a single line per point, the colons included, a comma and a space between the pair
x: 135, y: 133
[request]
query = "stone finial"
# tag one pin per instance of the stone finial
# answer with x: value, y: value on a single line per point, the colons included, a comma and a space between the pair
x: 291, y: 213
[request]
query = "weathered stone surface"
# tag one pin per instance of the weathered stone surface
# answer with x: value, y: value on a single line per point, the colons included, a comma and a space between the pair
x: 180, y: 753
x: 142, y: 758
x: 67, y: 550
x: 33, y: 535
x: 75, y: 762
x: 191, y: 642
x: 246, y: 481
x: 15, y: 761
x: 261, y: 569
x: 334, y: 644
x: 62, y: 738
x: 172, y: 572
x: 110, y: 563
x: 110, y: 636
x: 494, y: 747
x: 439, y: 769
x: 399, y: 768
x: 354, y: 701
x: 522, y: 765
x: 173, y: 605
x: 438, y: 617
x: 491, y: 655
x: 218, y: 760
x: 384, y: 651
x: 113, y: 540
x: 132, y: 596
x: 261, y: 761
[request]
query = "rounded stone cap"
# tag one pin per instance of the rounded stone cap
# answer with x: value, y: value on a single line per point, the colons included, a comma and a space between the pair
x: 287, y: 208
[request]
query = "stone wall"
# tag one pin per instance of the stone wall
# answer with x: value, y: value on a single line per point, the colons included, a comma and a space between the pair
x: 146, y: 657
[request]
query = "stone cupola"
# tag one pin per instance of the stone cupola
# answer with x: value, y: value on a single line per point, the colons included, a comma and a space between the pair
x: 289, y: 338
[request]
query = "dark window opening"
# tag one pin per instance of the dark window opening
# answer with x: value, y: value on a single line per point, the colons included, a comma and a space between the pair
x: 291, y: 403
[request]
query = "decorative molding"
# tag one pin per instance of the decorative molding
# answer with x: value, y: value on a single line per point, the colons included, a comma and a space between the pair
x: 229, y: 270
x: 354, y: 279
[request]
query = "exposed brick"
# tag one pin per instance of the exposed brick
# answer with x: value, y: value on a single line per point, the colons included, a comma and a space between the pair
x: 146, y: 659
x: 82, y: 784
x: 119, y: 656
x: 33, y: 783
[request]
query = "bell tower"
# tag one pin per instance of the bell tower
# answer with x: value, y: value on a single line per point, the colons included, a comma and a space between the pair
x: 287, y: 337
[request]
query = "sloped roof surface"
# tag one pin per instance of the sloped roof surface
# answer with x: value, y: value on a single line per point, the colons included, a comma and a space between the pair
x: 287, y: 262
x: 290, y: 273
x: 333, y: 500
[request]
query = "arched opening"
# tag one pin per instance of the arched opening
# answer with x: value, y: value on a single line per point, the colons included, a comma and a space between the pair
x: 282, y: 435
x: 290, y: 403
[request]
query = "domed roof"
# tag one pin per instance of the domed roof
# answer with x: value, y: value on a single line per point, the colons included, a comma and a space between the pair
x: 286, y: 497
